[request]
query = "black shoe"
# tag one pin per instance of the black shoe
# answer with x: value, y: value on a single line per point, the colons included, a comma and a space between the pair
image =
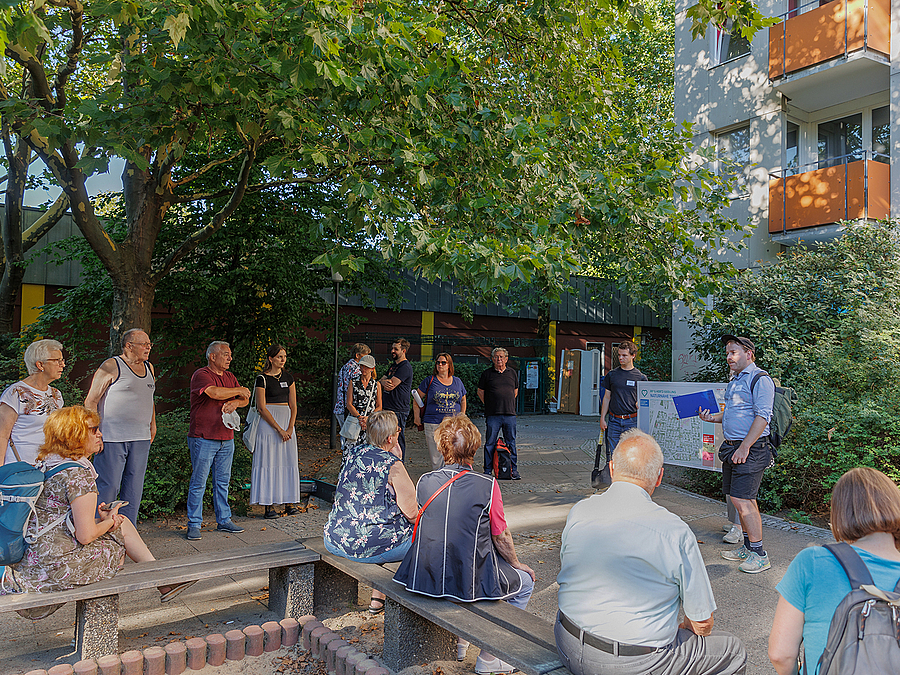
x: 290, y: 510
x: 270, y: 512
x: 516, y: 476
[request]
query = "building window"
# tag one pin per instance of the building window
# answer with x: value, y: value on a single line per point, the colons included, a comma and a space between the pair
x: 881, y: 134
x: 728, y: 43
x: 733, y: 157
x: 791, y: 148
x: 840, y: 141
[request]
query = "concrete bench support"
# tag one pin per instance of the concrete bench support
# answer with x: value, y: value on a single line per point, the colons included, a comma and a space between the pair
x: 334, y: 588
x: 410, y: 639
x: 291, y: 591
x: 97, y: 626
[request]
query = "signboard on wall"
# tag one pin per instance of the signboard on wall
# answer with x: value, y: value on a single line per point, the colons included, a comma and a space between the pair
x: 687, y: 442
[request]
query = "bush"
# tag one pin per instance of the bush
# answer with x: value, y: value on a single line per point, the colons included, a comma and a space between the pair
x: 169, y: 470
x: 826, y: 321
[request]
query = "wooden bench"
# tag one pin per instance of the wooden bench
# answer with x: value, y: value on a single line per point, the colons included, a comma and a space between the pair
x: 420, y: 629
x: 290, y: 566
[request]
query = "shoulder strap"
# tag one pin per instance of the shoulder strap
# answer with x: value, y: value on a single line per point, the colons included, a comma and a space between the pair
x: 439, y: 491
x: 49, y: 473
x: 13, y: 446
x: 853, y: 565
x: 756, y: 378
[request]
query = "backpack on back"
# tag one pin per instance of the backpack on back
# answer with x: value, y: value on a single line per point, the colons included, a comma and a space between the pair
x: 864, y: 636
x: 21, y: 484
x: 782, y: 415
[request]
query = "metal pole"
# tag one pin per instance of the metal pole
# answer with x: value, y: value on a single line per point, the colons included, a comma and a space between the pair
x: 337, y: 278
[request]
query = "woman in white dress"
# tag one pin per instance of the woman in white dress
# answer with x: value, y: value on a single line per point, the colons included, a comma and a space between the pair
x: 25, y: 405
x: 275, y: 476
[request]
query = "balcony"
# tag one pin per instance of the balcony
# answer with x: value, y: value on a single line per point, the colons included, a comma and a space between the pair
x: 828, y: 54
x: 804, y: 205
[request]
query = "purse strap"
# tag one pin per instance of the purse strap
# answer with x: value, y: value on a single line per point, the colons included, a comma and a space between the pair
x: 13, y: 446
x: 431, y: 498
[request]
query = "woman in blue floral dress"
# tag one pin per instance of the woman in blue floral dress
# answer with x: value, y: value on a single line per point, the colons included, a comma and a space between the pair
x: 375, y: 501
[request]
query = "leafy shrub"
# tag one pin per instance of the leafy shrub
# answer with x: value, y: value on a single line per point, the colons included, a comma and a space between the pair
x: 826, y: 321
x: 169, y: 470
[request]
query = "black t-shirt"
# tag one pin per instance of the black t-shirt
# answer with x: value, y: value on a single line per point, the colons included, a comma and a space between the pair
x: 276, y: 386
x: 499, y: 391
x: 397, y: 399
x: 622, y: 387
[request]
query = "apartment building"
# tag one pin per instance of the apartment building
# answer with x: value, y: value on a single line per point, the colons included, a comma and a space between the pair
x: 802, y: 116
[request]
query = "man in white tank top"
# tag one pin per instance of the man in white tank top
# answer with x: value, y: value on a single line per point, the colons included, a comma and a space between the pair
x: 122, y: 393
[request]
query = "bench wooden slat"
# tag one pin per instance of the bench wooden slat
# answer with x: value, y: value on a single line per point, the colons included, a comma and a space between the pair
x: 516, y: 621
x: 166, y: 572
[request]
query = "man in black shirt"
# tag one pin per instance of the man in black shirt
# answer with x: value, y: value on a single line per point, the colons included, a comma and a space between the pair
x: 396, y: 387
x: 498, y: 389
x: 620, y: 399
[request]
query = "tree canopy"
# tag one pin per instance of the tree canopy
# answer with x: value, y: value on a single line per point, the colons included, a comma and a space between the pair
x: 472, y: 138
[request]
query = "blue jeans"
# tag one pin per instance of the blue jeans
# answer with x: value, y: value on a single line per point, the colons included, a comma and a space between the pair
x: 120, y: 474
x: 206, y: 454
x: 614, y: 429
x: 493, y: 424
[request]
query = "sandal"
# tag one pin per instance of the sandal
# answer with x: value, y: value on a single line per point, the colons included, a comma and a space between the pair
x: 176, y: 590
x: 374, y: 609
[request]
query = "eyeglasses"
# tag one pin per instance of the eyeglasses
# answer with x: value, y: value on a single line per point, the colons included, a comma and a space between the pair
x: 60, y: 361
x: 441, y: 363
x: 148, y: 345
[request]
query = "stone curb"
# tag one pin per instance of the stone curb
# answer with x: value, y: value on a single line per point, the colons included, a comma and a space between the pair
x: 192, y: 654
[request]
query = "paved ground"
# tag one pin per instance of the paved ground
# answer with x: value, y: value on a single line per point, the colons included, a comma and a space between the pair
x: 555, y: 460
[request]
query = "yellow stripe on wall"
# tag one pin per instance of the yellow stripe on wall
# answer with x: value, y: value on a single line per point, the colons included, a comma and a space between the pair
x: 32, y: 301
x: 552, y: 350
x: 637, y: 340
x: 427, y: 329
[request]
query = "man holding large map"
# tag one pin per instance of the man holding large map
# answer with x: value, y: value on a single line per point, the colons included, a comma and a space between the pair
x: 745, y: 453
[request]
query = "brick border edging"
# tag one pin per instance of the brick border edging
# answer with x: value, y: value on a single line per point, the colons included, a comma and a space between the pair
x: 179, y: 656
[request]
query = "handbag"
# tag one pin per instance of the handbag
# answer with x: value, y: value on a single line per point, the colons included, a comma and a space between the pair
x: 601, y: 477
x: 253, y: 418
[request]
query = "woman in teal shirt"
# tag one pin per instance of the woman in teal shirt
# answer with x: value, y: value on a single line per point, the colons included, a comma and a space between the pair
x: 865, y: 512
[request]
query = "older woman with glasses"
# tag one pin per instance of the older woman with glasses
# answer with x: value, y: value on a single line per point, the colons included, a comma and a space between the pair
x: 72, y: 547
x: 24, y: 406
x: 439, y: 395
x: 374, y: 501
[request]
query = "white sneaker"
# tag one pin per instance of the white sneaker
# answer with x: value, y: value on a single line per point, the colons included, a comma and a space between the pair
x: 461, y: 648
x: 735, y: 535
x: 483, y: 667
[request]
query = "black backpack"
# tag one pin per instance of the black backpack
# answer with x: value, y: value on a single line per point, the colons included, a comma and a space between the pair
x: 502, y: 461
x: 782, y: 415
x: 864, y: 636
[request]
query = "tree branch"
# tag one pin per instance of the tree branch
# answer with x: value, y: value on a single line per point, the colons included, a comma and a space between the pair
x: 76, y: 12
x: 45, y: 223
x: 210, y: 165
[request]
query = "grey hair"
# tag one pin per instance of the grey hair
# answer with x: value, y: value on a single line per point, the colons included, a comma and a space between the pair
x: 497, y: 350
x: 126, y: 336
x: 39, y: 350
x: 214, y: 346
x: 379, y: 425
x: 642, y: 464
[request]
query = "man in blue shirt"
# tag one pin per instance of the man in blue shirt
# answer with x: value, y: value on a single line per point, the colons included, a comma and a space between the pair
x: 746, y: 452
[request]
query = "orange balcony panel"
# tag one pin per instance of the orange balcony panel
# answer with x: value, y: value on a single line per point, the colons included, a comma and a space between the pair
x: 829, y: 195
x: 828, y: 32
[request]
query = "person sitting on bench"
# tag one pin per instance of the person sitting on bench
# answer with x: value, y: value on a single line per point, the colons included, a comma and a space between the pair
x: 78, y: 548
x: 374, y: 501
x: 462, y: 528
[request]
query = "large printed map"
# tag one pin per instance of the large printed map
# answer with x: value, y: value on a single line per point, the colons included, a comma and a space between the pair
x: 684, y: 442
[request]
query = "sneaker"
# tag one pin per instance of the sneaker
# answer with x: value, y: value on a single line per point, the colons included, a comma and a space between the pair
x: 735, y: 535
x: 740, y: 554
x: 193, y: 533
x: 461, y: 648
x: 483, y: 667
x: 755, y: 563
x: 229, y: 526
x: 727, y: 528
x: 516, y: 476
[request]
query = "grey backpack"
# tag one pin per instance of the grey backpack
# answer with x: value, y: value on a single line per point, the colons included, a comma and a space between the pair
x: 864, y: 636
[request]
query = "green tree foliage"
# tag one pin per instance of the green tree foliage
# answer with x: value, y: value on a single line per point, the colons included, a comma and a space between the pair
x: 826, y: 321
x: 479, y: 139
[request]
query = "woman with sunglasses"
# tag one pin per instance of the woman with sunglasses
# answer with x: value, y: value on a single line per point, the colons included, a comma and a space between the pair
x: 72, y: 547
x: 442, y: 395
x: 24, y: 405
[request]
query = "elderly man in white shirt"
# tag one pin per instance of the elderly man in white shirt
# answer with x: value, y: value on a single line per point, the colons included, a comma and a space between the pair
x: 628, y: 567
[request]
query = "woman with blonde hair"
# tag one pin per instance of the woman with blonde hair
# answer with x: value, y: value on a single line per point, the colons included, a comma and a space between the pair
x: 865, y: 513
x: 78, y: 548
x: 439, y: 395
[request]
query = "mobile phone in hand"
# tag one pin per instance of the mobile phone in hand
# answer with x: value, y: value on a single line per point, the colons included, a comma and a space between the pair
x: 112, y: 505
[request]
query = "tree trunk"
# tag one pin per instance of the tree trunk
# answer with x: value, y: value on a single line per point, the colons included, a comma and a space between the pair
x: 13, y: 268
x: 132, y: 305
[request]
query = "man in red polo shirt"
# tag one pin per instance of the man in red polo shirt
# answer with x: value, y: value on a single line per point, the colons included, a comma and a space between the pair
x: 214, y: 391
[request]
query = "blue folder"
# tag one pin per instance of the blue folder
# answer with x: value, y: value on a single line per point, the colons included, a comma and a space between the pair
x: 688, y: 405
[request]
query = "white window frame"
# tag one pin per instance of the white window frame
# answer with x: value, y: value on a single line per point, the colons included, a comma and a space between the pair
x: 718, y: 40
x: 742, y: 186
